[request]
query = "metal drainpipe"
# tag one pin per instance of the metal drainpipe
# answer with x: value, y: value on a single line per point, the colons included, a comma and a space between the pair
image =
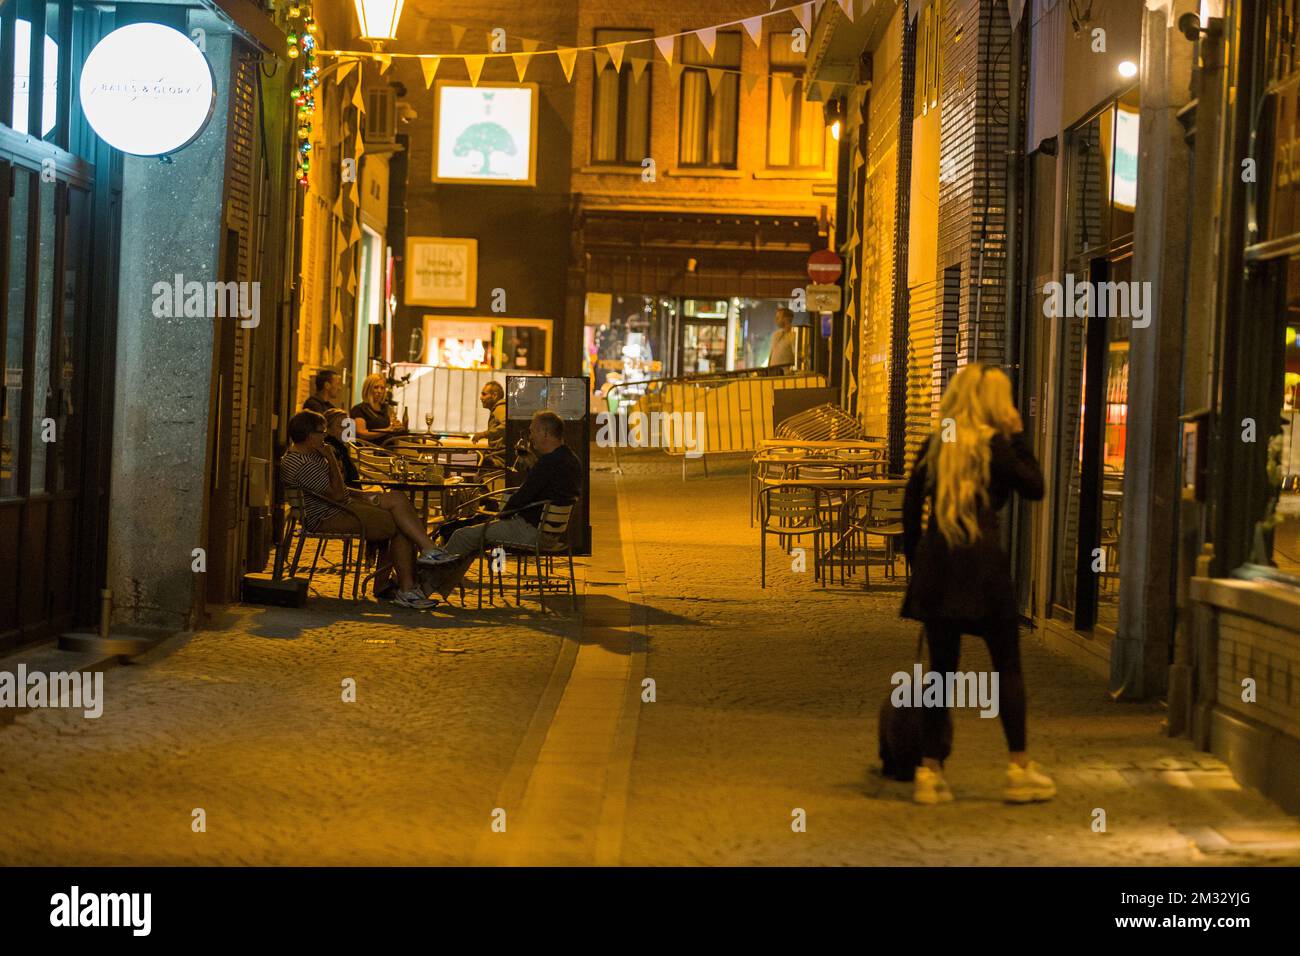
x: 1015, y: 142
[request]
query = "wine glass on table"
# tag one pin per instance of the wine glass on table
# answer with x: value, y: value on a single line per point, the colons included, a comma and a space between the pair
x: 428, y: 421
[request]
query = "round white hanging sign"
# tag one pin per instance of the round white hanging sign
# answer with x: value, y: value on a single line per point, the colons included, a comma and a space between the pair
x: 147, y: 89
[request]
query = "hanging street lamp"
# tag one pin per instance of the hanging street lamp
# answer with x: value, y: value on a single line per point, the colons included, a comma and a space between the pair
x: 378, y: 20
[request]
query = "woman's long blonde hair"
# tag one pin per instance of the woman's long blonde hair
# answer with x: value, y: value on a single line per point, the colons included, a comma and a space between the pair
x: 976, y: 405
x: 371, y: 382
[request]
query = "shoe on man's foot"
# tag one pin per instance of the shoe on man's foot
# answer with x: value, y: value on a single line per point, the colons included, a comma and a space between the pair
x: 436, y: 556
x: 930, y: 788
x: 414, y: 599
x: 1027, y: 784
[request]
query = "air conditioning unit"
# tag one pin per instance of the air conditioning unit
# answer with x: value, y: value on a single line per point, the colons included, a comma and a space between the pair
x: 381, y: 115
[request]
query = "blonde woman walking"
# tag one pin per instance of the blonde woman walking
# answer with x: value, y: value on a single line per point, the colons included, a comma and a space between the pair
x: 961, y: 578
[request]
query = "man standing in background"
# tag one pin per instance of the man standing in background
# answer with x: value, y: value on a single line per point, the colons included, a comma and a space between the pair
x: 782, y: 351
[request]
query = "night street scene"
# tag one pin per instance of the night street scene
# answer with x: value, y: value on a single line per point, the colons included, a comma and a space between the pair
x: 664, y: 452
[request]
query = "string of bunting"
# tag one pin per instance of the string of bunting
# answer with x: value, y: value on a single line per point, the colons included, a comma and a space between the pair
x: 616, y: 53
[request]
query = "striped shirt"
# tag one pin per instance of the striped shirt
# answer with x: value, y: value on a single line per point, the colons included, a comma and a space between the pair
x: 311, y: 473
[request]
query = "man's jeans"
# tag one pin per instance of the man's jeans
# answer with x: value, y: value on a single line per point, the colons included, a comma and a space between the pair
x: 512, y: 530
x: 466, y: 543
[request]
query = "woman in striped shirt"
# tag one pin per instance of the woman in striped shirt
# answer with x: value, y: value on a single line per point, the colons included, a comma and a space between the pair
x: 388, y: 517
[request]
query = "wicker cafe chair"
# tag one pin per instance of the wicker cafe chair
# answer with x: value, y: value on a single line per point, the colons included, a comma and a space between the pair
x: 373, y: 463
x: 296, y: 498
x: 552, y: 542
x: 791, y: 513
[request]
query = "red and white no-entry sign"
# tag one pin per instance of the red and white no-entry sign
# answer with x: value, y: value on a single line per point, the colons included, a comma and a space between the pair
x: 825, y: 267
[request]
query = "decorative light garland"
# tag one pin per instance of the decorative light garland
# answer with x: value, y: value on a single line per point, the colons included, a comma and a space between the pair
x: 302, y: 46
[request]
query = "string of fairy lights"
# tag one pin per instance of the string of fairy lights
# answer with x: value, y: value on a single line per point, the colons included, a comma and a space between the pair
x: 301, y: 40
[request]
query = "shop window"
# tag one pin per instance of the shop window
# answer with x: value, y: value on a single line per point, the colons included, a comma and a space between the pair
x: 709, y: 111
x: 796, y: 128
x: 1103, y: 177
x: 620, y: 127
x: 1284, y: 449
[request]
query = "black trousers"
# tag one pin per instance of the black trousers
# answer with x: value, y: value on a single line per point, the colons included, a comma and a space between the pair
x: 1003, y: 640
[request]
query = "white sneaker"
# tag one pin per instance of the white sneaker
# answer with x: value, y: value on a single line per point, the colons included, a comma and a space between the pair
x: 929, y: 787
x: 436, y: 556
x: 1028, y: 784
x: 414, y: 599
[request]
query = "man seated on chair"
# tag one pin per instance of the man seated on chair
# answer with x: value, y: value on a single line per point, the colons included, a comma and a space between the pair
x: 557, y: 478
x: 388, y: 517
x: 335, y: 419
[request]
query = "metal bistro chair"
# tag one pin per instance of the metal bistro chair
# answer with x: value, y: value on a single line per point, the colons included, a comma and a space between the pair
x: 470, y: 508
x: 878, y: 513
x: 296, y: 499
x: 797, y: 513
x: 552, y: 542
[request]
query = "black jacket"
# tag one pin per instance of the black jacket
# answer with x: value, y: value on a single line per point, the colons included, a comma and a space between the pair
x: 971, y: 583
x: 556, y: 477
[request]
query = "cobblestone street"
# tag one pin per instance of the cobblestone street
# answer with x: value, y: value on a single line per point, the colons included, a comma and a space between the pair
x: 765, y: 703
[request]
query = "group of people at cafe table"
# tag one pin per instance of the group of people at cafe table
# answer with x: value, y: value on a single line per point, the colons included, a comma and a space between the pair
x: 318, y: 461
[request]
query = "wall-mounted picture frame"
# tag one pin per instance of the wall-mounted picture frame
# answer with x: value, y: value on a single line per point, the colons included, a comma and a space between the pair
x: 485, y: 134
x: 441, y: 271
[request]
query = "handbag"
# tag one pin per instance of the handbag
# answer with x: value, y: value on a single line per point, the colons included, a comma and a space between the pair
x: 901, y: 734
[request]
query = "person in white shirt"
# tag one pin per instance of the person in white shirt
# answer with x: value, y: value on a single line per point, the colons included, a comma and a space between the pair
x: 782, y: 351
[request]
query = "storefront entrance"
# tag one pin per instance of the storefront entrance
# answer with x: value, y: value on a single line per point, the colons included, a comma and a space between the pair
x: 57, y: 220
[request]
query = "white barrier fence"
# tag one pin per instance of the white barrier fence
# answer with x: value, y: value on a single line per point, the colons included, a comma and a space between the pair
x: 450, y: 395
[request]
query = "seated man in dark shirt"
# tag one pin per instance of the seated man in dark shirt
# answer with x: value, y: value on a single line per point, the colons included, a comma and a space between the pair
x: 334, y: 419
x: 557, y: 478
x: 327, y: 389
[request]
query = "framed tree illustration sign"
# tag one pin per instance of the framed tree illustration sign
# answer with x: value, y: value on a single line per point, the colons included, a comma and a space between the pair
x: 441, y: 271
x: 485, y: 133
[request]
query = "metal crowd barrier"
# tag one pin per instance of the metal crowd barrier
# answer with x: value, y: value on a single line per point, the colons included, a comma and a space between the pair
x: 700, y: 415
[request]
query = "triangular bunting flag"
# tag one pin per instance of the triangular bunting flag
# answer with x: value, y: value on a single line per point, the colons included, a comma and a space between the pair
x: 385, y: 62
x: 787, y: 84
x: 674, y: 71
x: 638, y: 67
x: 429, y: 64
x: 358, y: 100
x: 567, y: 55
x: 457, y: 34
x: 345, y: 67
x: 530, y: 46
x: 754, y: 27
x: 847, y: 7
x: 771, y: 4
x: 601, y: 58
x: 521, y: 63
x: 616, y: 54
x: 804, y: 14
x: 715, y: 77
x: 709, y: 38
x: 665, y: 45
x: 474, y: 67
x: 824, y: 90
x: 751, y: 80
x: 817, y: 7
